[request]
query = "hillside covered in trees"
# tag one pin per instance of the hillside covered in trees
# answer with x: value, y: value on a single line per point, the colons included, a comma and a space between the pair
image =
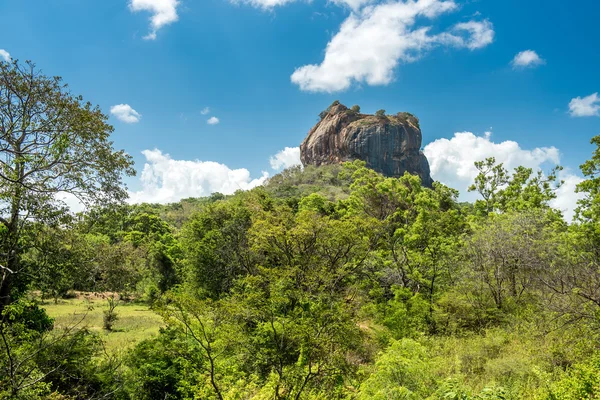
x: 329, y: 282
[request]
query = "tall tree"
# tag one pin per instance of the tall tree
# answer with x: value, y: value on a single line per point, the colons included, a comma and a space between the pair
x: 51, y: 142
x: 589, y: 206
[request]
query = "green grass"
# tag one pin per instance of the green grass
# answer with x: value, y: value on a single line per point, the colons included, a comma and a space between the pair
x: 136, y: 321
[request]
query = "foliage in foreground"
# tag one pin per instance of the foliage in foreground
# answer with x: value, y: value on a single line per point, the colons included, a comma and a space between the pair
x: 326, y: 283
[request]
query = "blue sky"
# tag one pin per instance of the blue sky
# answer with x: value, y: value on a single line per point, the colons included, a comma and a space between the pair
x: 265, y: 70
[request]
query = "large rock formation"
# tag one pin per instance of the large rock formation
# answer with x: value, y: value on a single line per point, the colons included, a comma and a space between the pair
x: 388, y: 144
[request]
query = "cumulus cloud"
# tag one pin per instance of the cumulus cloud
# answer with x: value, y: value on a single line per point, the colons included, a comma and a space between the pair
x: 205, y: 110
x: 125, y: 113
x: 354, y: 5
x: 164, y: 12
x: 165, y: 180
x: 527, y: 58
x: 452, y: 163
x: 566, y: 198
x: 213, y: 121
x: 288, y: 157
x: 371, y: 43
x: 588, y: 106
x: 5, y: 55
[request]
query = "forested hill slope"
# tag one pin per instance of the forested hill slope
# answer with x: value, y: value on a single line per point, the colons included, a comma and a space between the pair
x: 327, y: 282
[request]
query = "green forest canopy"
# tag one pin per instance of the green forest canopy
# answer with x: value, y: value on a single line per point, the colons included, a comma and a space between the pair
x: 329, y: 282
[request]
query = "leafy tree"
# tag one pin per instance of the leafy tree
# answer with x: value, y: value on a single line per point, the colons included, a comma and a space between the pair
x: 60, y: 259
x: 523, y: 190
x: 35, y: 359
x: 508, y: 254
x: 51, y: 142
x: 110, y: 315
x: 491, y: 178
x: 212, y: 338
x: 588, y: 210
x: 573, y: 275
x: 380, y: 113
x: 355, y: 108
x: 216, y: 246
x: 119, y: 266
x: 158, y: 368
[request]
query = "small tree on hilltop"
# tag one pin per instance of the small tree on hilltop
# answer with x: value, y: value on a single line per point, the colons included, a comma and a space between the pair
x: 380, y: 113
x: 356, y: 108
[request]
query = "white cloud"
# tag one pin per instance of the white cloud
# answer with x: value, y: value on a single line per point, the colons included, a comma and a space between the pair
x: 452, y: 163
x: 71, y: 201
x: 205, y: 110
x: 5, y: 55
x: 264, y: 4
x: 354, y: 5
x: 288, y: 157
x: 125, y: 113
x: 481, y: 34
x: 566, y: 197
x: 527, y: 58
x: 585, y: 107
x: 164, y: 12
x: 213, y: 121
x: 165, y: 180
x: 370, y: 44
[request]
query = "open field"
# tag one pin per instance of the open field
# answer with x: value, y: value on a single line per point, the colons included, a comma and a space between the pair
x: 136, y: 321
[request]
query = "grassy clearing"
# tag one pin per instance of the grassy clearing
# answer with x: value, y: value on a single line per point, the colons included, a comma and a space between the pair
x: 136, y: 321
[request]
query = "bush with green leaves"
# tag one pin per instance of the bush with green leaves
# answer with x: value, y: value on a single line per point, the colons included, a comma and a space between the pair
x: 110, y: 314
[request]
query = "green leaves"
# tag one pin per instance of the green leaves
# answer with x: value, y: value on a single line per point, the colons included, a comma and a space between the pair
x: 50, y: 143
x: 523, y: 190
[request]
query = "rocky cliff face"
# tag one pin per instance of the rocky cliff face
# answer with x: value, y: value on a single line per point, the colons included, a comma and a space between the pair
x: 390, y: 144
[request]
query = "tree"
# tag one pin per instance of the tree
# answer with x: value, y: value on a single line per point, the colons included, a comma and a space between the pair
x: 508, y: 254
x: 62, y: 259
x: 356, y: 108
x: 589, y: 206
x: 51, y: 142
x: 36, y: 358
x: 216, y: 244
x: 110, y: 315
x: 380, y: 113
x: 489, y: 181
x: 523, y: 190
x: 213, y: 339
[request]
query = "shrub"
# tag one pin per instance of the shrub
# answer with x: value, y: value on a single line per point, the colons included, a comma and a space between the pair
x: 582, y: 381
x: 324, y: 113
x: 110, y: 315
x: 356, y: 108
x: 408, y: 117
x: 380, y: 113
x: 403, y: 371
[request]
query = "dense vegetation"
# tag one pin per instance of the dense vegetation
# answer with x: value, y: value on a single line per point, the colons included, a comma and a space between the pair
x: 330, y: 282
